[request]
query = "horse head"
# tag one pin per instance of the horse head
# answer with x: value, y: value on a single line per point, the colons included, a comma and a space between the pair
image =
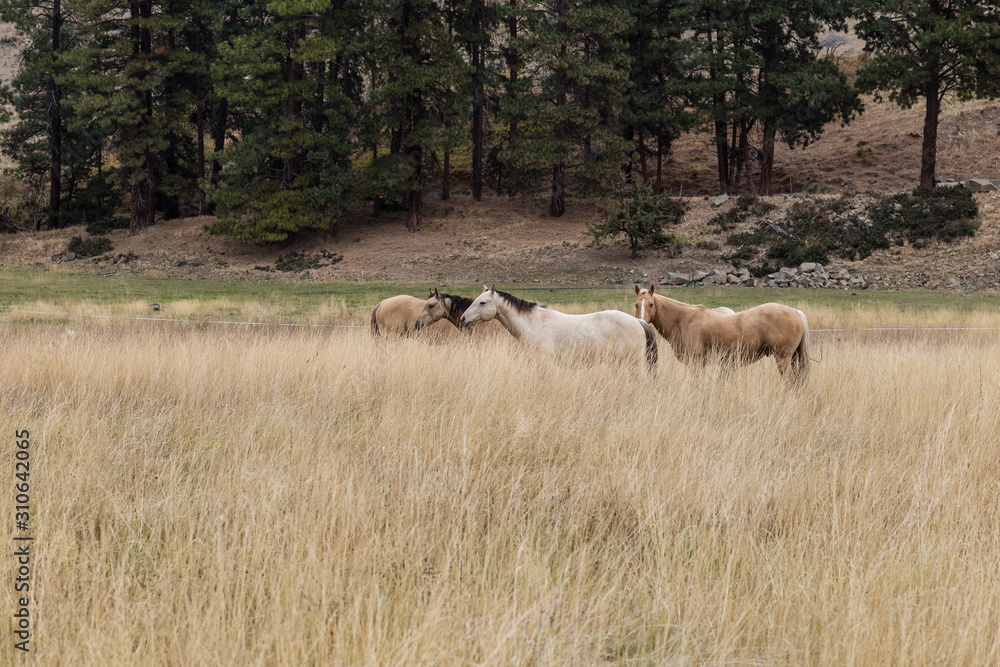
x: 434, y: 309
x: 645, y: 305
x: 483, y: 308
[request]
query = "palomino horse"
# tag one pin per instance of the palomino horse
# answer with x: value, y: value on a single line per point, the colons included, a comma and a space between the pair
x: 695, y: 332
x: 449, y: 307
x: 609, y: 331
x: 398, y: 315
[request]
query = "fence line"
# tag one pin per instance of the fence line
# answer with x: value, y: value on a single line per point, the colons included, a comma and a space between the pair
x: 362, y: 326
x: 909, y: 329
x: 176, y: 319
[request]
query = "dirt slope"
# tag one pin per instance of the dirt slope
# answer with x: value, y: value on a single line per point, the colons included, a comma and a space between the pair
x: 498, y: 240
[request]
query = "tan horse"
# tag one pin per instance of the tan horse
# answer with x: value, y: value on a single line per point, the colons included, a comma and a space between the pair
x: 448, y: 307
x: 696, y: 332
x: 609, y: 332
x: 398, y: 315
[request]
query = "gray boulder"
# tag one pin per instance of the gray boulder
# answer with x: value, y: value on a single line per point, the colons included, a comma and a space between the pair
x: 814, y: 187
x: 719, y: 201
x: 675, y: 279
x: 980, y: 185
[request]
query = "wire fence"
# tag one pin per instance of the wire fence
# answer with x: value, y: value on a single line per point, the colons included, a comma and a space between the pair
x: 181, y: 319
x: 120, y: 316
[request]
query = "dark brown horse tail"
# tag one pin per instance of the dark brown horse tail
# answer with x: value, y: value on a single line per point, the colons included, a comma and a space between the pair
x: 374, y: 321
x: 800, y: 358
x: 651, y: 350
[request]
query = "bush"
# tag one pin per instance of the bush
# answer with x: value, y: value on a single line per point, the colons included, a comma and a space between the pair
x: 105, y: 225
x: 90, y: 247
x: 297, y: 261
x: 816, y: 230
x: 746, y: 205
x: 22, y: 206
x: 925, y: 213
x: 640, y: 216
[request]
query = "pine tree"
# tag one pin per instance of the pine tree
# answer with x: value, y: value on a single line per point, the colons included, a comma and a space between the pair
x: 656, y: 107
x: 35, y: 97
x: 124, y: 80
x: 758, y: 69
x: 579, y: 50
x: 290, y: 167
x: 930, y: 49
x: 418, y: 76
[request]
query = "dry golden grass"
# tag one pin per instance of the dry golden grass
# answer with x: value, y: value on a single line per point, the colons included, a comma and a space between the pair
x: 213, y: 495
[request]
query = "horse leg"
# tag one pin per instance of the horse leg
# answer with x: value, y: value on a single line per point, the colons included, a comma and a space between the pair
x: 792, y: 368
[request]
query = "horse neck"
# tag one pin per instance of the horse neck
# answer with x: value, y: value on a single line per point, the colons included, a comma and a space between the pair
x: 668, y: 316
x: 450, y: 316
x: 514, y: 321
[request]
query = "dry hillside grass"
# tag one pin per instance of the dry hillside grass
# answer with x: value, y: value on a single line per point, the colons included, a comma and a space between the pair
x: 208, y: 495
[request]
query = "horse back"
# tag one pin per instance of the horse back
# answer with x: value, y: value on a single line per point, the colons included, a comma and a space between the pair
x: 396, y: 315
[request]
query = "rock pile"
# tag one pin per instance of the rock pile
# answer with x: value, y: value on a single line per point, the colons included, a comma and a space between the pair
x: 807, y: 274
x: 974, y: 184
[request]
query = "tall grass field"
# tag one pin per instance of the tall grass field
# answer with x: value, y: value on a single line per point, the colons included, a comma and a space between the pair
x: 232, y: 494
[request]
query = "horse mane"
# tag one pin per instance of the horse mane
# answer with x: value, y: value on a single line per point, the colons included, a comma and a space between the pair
x: 519, y: 304
x: 459, y: 304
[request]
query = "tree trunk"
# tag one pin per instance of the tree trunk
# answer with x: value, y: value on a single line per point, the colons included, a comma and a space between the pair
x: 218, y: 143
x: 642, y: 157
x: 721, y: 147
x: 745, y: 144
x: 295, y: 75
x: 658, y: 188
x: 767, y: 166
x: 478, y: 62
x: 628, y: 134
x: 558, y: 204
x: 928, y: 153
x: 200, y: 123
x: 100, y: 175
x: 376, y: 198
x: 142, y: 182
x: 55, y: 126
x: 512, y: 64
x: 446, y: 176
x: 415, y: 111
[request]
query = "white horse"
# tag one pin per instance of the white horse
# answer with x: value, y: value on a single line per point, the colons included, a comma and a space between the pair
x: 610, y: 332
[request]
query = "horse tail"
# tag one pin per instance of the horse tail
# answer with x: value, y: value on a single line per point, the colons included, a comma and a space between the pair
x: 651, y: 350
x: 800, y: 358
x: 375, y: 321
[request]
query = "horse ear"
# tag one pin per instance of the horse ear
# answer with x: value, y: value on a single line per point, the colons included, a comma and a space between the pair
x: 493, y: 290
x: 636, y: 288
x: 430, y: 292
x: 652, y: 288
x: 436, y: 293
x: 485, y: 288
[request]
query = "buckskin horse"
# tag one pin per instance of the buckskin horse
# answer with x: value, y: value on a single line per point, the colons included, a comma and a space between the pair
x: 697, y: 332
x: 449, y: 307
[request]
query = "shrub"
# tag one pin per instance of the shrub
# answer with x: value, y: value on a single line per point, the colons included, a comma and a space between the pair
x: 640, y: 216
x: 746, y: 205
x: 816, y: 230
x: 105, y: 225
x: 925, y: 213
x: 297, y: 261
x: 90, y: 247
